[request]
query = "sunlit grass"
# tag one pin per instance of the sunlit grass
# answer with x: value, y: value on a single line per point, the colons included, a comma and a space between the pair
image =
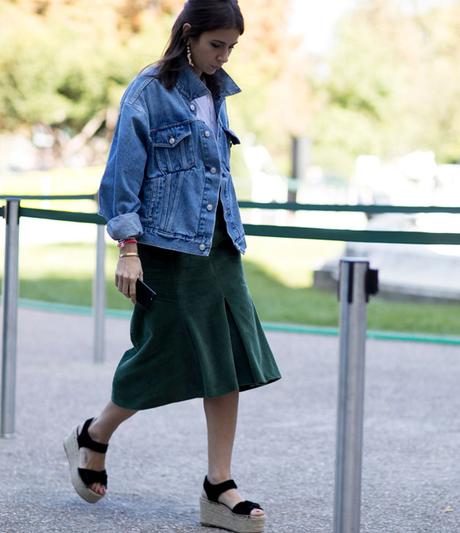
x: 63, y: 273
x: 279, y: 271
x: 52, y: 182
x: 291, y: 261
x: 56, y: 181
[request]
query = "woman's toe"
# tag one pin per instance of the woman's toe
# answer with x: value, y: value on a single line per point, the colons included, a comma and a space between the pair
x: 98, y: 489
x: 257, y: 512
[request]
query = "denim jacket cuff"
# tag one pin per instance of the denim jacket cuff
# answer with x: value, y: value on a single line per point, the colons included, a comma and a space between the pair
x: 124, y: 226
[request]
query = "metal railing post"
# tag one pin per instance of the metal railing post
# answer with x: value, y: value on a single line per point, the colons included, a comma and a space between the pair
x: 10, y: 321
x: 99, y: 298
x: 357, y: 282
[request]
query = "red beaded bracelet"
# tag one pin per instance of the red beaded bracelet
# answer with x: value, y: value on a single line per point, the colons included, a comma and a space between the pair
x: 122, y: 242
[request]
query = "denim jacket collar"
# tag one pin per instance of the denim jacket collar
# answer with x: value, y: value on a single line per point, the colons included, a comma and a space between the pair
x: 190, y: 85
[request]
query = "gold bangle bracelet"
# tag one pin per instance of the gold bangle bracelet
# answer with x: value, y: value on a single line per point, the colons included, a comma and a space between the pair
x: 129, y: 254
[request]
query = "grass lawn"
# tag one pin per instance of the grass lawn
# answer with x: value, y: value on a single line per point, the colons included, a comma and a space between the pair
x: 279, y: 271
x: 63, y: 273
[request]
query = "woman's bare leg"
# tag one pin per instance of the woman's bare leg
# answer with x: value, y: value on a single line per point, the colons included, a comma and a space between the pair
x: 100, y: 430
x: 221, y: 416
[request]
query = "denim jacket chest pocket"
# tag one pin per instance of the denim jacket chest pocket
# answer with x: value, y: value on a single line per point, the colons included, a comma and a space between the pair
x: 173, y: 148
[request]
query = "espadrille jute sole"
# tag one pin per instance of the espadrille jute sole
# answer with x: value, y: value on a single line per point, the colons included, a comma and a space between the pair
x: 219, y: 515
x: 71, y: 450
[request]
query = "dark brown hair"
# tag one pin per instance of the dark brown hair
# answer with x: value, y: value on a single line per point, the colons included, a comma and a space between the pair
x: 202, y: 15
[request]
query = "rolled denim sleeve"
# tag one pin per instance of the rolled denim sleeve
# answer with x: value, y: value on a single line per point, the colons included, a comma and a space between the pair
x: 118, y: 195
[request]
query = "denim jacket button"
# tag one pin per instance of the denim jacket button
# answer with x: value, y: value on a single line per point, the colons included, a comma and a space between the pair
x: 209, y: 207
x: 207, y: 133
x: 172, y: 140
x: 213, y: 170
x: 192, y: 107
x: 202, y: 247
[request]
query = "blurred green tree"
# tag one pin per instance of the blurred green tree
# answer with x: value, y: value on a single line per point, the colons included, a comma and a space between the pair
x: 63, y: 61
x: 389, y: 87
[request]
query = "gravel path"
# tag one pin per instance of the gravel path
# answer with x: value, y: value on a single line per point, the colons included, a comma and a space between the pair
x: 285, y: 450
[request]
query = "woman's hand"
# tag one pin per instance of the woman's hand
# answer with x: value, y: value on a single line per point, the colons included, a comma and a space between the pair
x: 128, y: 270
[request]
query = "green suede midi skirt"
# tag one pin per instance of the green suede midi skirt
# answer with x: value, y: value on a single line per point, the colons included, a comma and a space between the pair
x: 202, y: 338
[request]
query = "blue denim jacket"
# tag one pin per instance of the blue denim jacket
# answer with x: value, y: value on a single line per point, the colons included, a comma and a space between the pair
x: 166, y: 169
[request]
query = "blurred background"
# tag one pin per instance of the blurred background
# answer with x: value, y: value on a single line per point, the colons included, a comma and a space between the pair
x: 344, y: 101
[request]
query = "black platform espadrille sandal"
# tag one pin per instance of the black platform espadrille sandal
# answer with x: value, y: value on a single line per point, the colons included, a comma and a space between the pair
x: 82, y: 478
x: 216, y: 514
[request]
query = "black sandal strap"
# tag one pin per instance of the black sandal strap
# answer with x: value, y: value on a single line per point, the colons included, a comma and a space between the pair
x: 245, y: 507
x: 214, y: 491
x: 93, y: 476
x: 85, y: 441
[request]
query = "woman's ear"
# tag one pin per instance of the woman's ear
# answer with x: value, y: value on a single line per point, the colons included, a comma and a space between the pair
x: 185, y: 29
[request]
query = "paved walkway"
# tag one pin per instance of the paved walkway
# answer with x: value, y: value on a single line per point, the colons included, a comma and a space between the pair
x: 284, y: 455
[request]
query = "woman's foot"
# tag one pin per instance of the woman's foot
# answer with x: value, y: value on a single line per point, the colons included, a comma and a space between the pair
x: 221, y: 506
x: 91, y: 460
x: 88, y: 480
x: 230, y: 497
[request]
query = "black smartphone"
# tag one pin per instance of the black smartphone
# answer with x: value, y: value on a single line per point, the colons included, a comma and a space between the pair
x: 145, y: 296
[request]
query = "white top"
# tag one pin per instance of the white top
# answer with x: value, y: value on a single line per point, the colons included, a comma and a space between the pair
x: 205, y: 111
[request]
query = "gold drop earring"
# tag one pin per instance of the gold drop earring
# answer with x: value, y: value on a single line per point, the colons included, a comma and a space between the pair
x: 189, y: 55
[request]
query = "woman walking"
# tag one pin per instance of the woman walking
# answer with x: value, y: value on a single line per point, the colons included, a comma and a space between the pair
x: 168, y: 198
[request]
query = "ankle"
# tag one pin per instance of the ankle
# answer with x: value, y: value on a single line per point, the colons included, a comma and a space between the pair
x: 218, y: 477
x: 96, y: 433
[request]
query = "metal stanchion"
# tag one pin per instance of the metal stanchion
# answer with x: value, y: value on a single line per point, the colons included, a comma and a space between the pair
x: 99, y: 298
x: 10, y: 321
x: 357, y: 282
